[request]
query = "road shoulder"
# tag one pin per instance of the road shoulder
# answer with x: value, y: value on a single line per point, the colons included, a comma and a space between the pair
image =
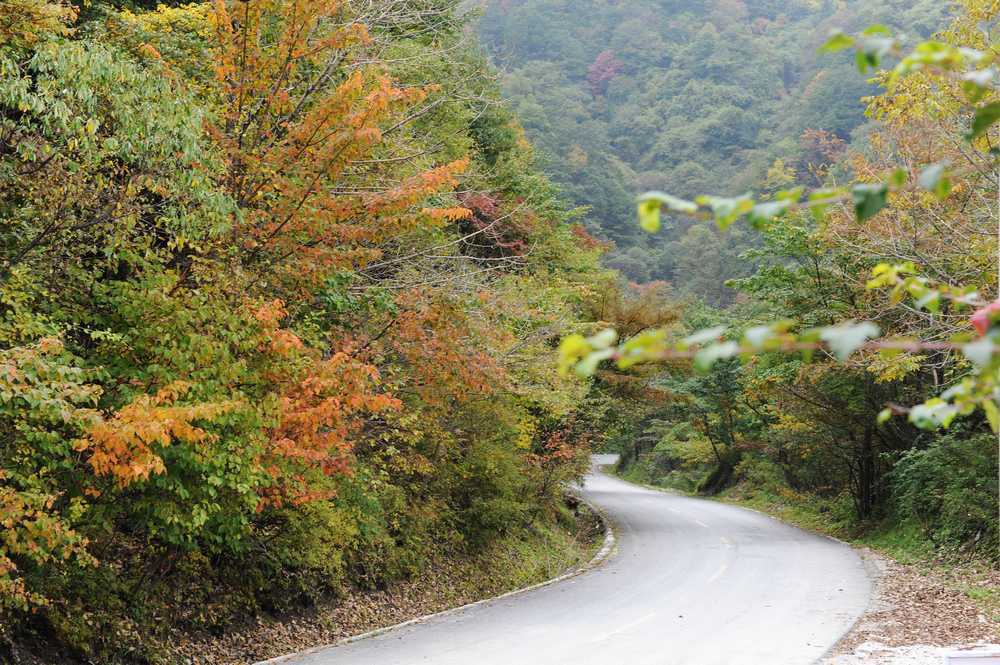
x: 915, y: 618
x: 449, y: 585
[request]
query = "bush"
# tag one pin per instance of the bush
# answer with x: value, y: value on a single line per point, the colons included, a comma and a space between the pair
x: 299, y: 555
x: 491, y: 498
x: 950, y: 490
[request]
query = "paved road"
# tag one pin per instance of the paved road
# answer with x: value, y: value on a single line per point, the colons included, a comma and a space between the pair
x: 693, y: 583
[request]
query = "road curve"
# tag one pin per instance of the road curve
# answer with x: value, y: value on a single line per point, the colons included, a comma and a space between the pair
x: 693, y: 583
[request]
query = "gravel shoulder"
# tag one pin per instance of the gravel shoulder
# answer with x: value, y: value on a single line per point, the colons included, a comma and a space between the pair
x: 917, y: 616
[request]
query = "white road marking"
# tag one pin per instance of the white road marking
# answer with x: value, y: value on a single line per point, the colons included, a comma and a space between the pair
x: 719, y: 573
x: 623, y: 629
x: 701, y: 524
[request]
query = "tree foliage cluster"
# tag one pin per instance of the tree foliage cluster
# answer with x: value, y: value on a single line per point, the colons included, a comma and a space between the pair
x: 279, y: 288
x: 815, y: 410
x: 625, y: 97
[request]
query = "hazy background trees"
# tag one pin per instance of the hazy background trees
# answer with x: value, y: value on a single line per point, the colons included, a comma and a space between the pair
x: 625, y: 97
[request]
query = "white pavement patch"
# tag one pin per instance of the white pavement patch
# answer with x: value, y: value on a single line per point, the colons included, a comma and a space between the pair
x: 873, y: 653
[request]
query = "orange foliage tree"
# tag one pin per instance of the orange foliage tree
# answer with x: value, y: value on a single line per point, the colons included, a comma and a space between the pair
x: 321, y: 403
x: 294, y: 129
x: 125, y: 445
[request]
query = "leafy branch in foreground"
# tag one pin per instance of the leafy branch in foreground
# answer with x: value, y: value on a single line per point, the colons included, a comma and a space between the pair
x: 973, y: 72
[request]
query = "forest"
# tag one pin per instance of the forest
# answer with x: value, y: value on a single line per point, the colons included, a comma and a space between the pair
x: 625, y: 97
x: 281, y: 291
x: 301, y: 299
x: 878, y: 258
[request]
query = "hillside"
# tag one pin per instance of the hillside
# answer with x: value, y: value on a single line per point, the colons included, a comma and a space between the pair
x: 280, y: 289
x: 625, y: 97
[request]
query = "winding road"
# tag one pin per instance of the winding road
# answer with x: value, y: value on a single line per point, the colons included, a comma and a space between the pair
x: 693, y: 583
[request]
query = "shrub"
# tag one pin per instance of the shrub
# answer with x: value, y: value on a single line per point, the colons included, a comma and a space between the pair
x: 950, y: 489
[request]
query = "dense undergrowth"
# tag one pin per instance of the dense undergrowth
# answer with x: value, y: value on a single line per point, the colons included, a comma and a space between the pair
x: 942, y: 504
x: 450, y: 579
x: 280, y: 290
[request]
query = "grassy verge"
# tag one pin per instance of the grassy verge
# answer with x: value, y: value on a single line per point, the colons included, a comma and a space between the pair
x: 452, y: 579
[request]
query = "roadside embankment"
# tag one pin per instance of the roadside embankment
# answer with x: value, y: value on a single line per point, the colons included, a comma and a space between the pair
x: 536, y: 555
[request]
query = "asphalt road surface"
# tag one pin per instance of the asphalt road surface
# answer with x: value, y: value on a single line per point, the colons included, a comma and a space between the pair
x: 693, y: 582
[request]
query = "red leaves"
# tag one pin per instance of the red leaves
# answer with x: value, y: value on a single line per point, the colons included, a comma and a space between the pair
x: 437, y: 343
x: 588, y: 241
x: 281, y: 342
x: 318, y: 414
x: 984, y: 318
x: 497, y: 234
x: 322, y: 403
x: 605, y: 68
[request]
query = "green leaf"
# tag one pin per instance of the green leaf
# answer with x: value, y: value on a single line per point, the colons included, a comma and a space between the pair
x: 992, y: 414
x: 960, y: 390
x: 873, y: 50
x: 985, y: 117
x: 571, y: 350
x: 847, y: 338
x: 869, y: 199
x: 875, y: 30
x: 649, y: 216
x: 604, y: 339
x: 931, y: 301
x: 865, y: 61
x: 762, y: 213
x: 884, y: 416
x: 820, y: 199
x: 726, y: 210
x: 933, y: 414
x: 672, y: 203
x: 977, y: 83
x: 759, y: 336
x: 642, y: 347
x: 588, y: 366
x: 792, y: 195
x: 827, y: 194
x: 838, y: 41
x: 704, y: 336
x: 973, y: 56
x: 980, y: 352
x: 899, y: 177
x: 707, y: 357
x: 935, y: 180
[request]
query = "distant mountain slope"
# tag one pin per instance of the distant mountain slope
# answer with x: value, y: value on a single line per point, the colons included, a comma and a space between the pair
x: 682, y: 95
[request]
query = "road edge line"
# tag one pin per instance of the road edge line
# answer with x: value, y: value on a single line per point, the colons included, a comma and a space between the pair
x: 605, y: 553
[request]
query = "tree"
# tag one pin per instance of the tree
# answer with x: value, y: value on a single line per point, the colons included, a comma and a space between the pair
x: 964, y: 357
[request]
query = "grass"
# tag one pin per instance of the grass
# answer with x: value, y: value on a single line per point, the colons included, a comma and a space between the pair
x: 544, y: 552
